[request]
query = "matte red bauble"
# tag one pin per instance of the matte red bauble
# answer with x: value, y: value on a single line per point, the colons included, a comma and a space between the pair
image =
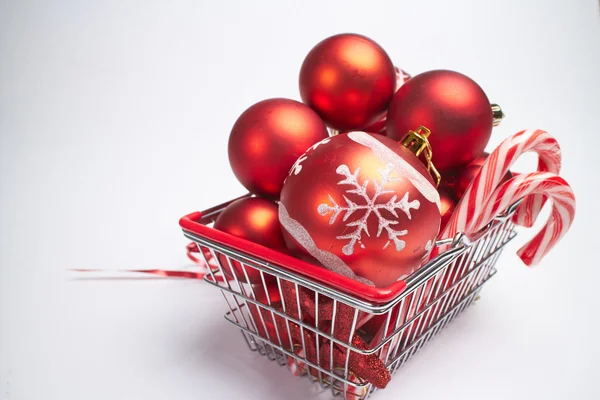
x: 452, y: 106
x: 256, y: 220
x: 379, y: 126
x: 266, y: 140
x: 363, y: 205
x: 348, y: 80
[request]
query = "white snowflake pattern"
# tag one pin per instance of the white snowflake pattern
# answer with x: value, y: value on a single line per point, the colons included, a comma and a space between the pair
x: 428, y: 248
x: 371, y: 207
x: 297, y: 167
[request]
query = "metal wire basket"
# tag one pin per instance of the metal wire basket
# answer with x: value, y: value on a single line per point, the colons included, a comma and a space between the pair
x: 406, y: 316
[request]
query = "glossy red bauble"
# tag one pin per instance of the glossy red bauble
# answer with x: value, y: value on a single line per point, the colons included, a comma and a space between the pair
x: 362, y: 205
x: 348, y: 80
x: 266, y: 140
x: 254, y: 219
x: 452, y: 106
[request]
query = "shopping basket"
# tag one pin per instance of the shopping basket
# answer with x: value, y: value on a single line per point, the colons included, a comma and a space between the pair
x: 408, y: 314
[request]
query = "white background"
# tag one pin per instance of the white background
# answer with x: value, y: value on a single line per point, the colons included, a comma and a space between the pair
x: 114, y: 120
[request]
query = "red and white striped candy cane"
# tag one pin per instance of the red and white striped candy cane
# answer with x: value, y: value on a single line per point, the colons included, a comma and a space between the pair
x: 492, y: 172
x: 531, y: 206
x: 561, y: 216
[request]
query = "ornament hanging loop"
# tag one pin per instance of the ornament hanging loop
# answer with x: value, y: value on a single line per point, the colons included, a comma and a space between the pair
x: 417, y: 143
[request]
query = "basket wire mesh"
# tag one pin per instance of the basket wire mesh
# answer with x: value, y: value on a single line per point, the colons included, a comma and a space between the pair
x: 434, y: 296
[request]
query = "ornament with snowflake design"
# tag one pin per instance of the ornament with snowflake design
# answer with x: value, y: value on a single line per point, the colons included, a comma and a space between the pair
x: 361, y: 205
x: 370, y: 207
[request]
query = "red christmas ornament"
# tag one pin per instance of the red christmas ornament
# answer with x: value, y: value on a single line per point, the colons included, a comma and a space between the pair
x: 456, y: 181
x: 379, y: 126
x: 363, y: 205
x: 449, y: 180
x: 266, y: 140
x: 254, y: 219
x: 452, y: 106
x: 348, y: 80
x: 448, y: 203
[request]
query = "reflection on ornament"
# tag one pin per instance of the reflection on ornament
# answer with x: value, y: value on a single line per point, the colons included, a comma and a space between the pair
x: 254, y: 219
x: 401, y: 166
x: 349, y: 80
x: 267, y: 139
x: 453, y: 106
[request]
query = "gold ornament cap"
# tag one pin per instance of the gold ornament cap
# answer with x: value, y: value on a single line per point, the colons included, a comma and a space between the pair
x: 497, y: 114
x: 417, y: 143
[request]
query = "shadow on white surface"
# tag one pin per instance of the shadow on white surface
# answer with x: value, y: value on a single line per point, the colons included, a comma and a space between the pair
x: 222, y: 347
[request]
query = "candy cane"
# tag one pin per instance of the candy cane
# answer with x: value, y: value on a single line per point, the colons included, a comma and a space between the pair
x: 561, y: 216
x: 531, y: 206
x: 492, y: 172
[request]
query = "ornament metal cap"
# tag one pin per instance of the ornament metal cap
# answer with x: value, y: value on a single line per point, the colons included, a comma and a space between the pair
x: 417, y: 143
x: 497, y: 114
